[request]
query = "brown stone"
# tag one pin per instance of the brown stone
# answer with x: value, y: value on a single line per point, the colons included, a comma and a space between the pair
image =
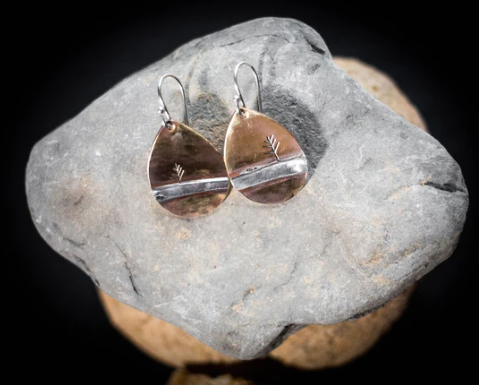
x: 180, y: 377
x: 321, y: 346
x: 382, y: 88
x: 315, y: 346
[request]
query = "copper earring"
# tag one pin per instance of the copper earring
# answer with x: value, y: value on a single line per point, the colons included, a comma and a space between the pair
x: 187, y: 174
x: 264, y: 161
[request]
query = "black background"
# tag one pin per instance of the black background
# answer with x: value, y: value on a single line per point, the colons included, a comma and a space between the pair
x: 59, y: 60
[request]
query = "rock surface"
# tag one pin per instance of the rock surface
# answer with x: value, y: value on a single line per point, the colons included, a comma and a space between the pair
x: 384, y: 205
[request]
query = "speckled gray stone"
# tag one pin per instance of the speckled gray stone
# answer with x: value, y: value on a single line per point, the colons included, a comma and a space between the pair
x: 384, y: 205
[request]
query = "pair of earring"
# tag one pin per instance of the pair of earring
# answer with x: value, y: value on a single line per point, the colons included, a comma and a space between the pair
x: 189, y: 177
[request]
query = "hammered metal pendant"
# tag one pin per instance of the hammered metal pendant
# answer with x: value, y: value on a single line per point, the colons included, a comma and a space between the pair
x: 187, y: 174
x: 264, y: 161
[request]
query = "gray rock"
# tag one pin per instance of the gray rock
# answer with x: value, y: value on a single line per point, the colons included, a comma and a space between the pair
x: 384, y: 205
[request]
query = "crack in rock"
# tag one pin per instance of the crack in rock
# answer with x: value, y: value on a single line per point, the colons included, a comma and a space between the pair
x: 127, y: 267
x: 449, y: 187
x: 86, y: 269
x: 253, y: 37
x: 293, y: 270
x: 282, y: 335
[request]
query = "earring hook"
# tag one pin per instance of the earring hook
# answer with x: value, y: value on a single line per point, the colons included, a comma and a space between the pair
x: 239, y: 97
x: 162, y: 110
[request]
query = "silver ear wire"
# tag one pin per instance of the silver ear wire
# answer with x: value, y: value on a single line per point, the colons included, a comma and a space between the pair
x: 162, y: 110
x: 239, y: 97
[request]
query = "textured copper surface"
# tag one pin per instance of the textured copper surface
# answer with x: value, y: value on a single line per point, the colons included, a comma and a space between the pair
x: 187, y: 174
x: 255, y: 168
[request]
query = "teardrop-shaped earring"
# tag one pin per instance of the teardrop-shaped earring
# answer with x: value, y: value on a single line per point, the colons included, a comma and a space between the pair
x: 187, y: 174
x: 264, y: 161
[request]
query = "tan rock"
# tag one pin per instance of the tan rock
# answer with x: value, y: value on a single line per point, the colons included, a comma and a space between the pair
x: 159, y: 339
x: 180, y: 377
x: 315, y: 346
x: 382, y: 88
x: 321, y: 346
